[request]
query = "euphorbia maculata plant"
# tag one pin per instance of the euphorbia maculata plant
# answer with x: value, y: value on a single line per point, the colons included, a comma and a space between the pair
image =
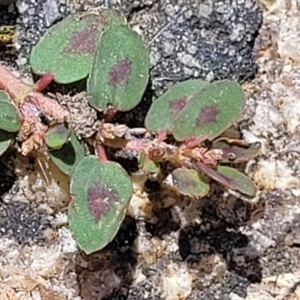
x: 192, y: 115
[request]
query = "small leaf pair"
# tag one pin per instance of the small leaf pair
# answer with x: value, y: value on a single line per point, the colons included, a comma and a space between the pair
x: 195, y: 108
x: 192, y: 183
x: 67, y: 50
x: 102, y: 46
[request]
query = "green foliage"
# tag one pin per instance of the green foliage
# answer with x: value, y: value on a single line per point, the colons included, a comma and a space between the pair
x: 234, y: 152
x: 120, y: 72
x: 164, y: 111
x: 242, y: 183
x: 9, y: 122
x: 101, y: 194
x: 103, y: 48
x: 69, y: 155
x: 146, y: 164
x: 9, y: 117
x: 210, y: 108
x: 5, y: 140
x: 57, y: 136
x: 67, y: 49
x: 190, y: 183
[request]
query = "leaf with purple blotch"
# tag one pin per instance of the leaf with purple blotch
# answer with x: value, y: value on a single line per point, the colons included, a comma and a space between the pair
x: 229, y: 177
x: 242, y: 183
x: 67, y: 50
x: 236, y: 151
x: 164, y: 111
x: 120, y: 72
x: 212, y: 110
x: 190, y: 183
x: 212, y: 173
x: 101, y: 192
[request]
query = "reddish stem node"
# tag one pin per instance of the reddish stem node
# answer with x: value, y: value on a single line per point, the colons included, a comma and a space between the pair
x: 100, y: 151
x: 193, y: 142
x: 43, y: 82
x: 109, y: 115
x: 162, y: 135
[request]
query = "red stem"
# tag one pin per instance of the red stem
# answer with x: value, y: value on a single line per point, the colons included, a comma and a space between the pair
x: 162, y: 135
x: 43, y: 82
x: 13, y: 85
x: 100, y: 151
x: 193, y: 142
x: 110, y: 115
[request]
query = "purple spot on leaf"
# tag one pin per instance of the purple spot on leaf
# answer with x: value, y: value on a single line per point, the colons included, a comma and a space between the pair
x: 207, y: 115
x: 177, y: 105
x: 85, y: 41
x: 100, y: 200
x: 120, y: 72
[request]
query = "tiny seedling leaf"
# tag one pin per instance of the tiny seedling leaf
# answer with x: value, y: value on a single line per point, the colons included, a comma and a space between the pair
x: 101, y: 192
x: 5, y: 140
x: 212, y: 110
x: 243, y: 184
x: 67, y: 50
x: 69, y: 155
x: 190, y: 183
x: 236, y: 151
x: 164, y: 111
x: 57, y: 136
x: 120, y: 72
x: 9, y: 117
x: 146, y: 164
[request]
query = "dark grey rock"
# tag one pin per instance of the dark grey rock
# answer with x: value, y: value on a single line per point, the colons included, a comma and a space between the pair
x: 221, y: 34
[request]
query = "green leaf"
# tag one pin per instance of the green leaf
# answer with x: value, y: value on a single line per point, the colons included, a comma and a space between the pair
x: 243, y: 184
x: 101, y: 193
x: 5, y: 140
x: 9, y: 117
x: 164, y: 111
x: 120, y: 72
x: 69, y: 155
x: 4, y: 97
x: 190, y: 182
x: 229, y: 177
x: 236, y: 151
x: 218, y: 177
x: 146, y: 164
x: 212, y: 110
x: 67, y: 50
x: 57, y: 136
